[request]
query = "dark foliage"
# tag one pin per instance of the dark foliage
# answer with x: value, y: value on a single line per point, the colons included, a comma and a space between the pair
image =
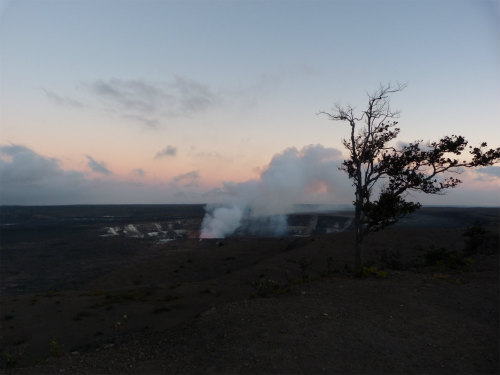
x: 475, y: 240
x: 446, y: 259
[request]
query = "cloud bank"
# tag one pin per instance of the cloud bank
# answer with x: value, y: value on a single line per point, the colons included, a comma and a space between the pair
x: 307, y: 175
x: 28, y: 178
x: 292, y: 176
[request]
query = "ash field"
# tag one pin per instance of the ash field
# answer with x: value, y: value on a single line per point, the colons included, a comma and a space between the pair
x: 133, y: 288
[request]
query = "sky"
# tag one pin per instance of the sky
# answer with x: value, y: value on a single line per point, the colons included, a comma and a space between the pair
x: 182, y: 101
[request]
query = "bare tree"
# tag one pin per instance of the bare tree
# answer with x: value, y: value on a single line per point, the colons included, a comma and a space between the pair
x: 379, y: 169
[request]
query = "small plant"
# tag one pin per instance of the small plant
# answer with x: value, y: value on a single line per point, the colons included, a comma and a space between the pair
x: 468, y: 261
x: 79, y: 316
x: 82, y: 314
x: 373, y: 272
x: 304, y: 264
x: 122, y: 322
x: 391, y: 259
x: 55, y: 349
x: 52, y: 293
x: 444, y: 258
x: 170, y: 297
x: 433, y: 256
x: 8, y: 359
x: 330, y: 266
x: 440, y: 276
x: 161, y: 310
x: 130, y: 295
x: 94, y: 293
x: 267, y: 288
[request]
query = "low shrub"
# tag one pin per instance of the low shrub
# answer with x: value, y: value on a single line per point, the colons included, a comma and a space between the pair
x: 331, y: 267
x: 391, y: 259
x: 475, y: 240
x: 445, y: 258
x: 373, y: 272
x: 304, y: 264
x: 55, y: 349
x: 267, y: 288
x: 8, y: 359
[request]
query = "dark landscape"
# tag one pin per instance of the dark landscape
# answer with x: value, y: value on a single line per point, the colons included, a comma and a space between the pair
x: 132, y: 289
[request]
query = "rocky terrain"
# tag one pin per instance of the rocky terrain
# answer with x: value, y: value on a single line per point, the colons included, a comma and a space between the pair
x: 75, y: 301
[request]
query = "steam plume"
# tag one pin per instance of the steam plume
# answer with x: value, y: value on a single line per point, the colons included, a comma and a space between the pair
x: 221, y: 221
x: 293, y: 176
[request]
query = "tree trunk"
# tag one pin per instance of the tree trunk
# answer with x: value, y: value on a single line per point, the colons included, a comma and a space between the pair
x: 358, y: 263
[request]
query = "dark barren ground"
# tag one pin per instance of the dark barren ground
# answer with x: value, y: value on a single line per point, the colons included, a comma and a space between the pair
x: 73, y: 301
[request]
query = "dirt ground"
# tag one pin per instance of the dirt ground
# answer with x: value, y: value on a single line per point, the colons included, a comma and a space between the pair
x: 428, y: 303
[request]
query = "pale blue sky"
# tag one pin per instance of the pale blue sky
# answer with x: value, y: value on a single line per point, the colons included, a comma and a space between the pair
x: 229, y: 84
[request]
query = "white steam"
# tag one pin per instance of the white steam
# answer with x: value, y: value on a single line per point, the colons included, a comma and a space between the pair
x: 293, y: 176
x: 221, y: 222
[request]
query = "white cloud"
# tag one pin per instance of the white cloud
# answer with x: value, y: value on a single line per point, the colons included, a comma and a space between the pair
x: 488, y: 173
x: 97, y: 167
x: 186, y: 180
x: 151, y: 102
x: 144, y: 102
x: 168, y: 151
x: 139, y: 172
x: 64, y: 101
